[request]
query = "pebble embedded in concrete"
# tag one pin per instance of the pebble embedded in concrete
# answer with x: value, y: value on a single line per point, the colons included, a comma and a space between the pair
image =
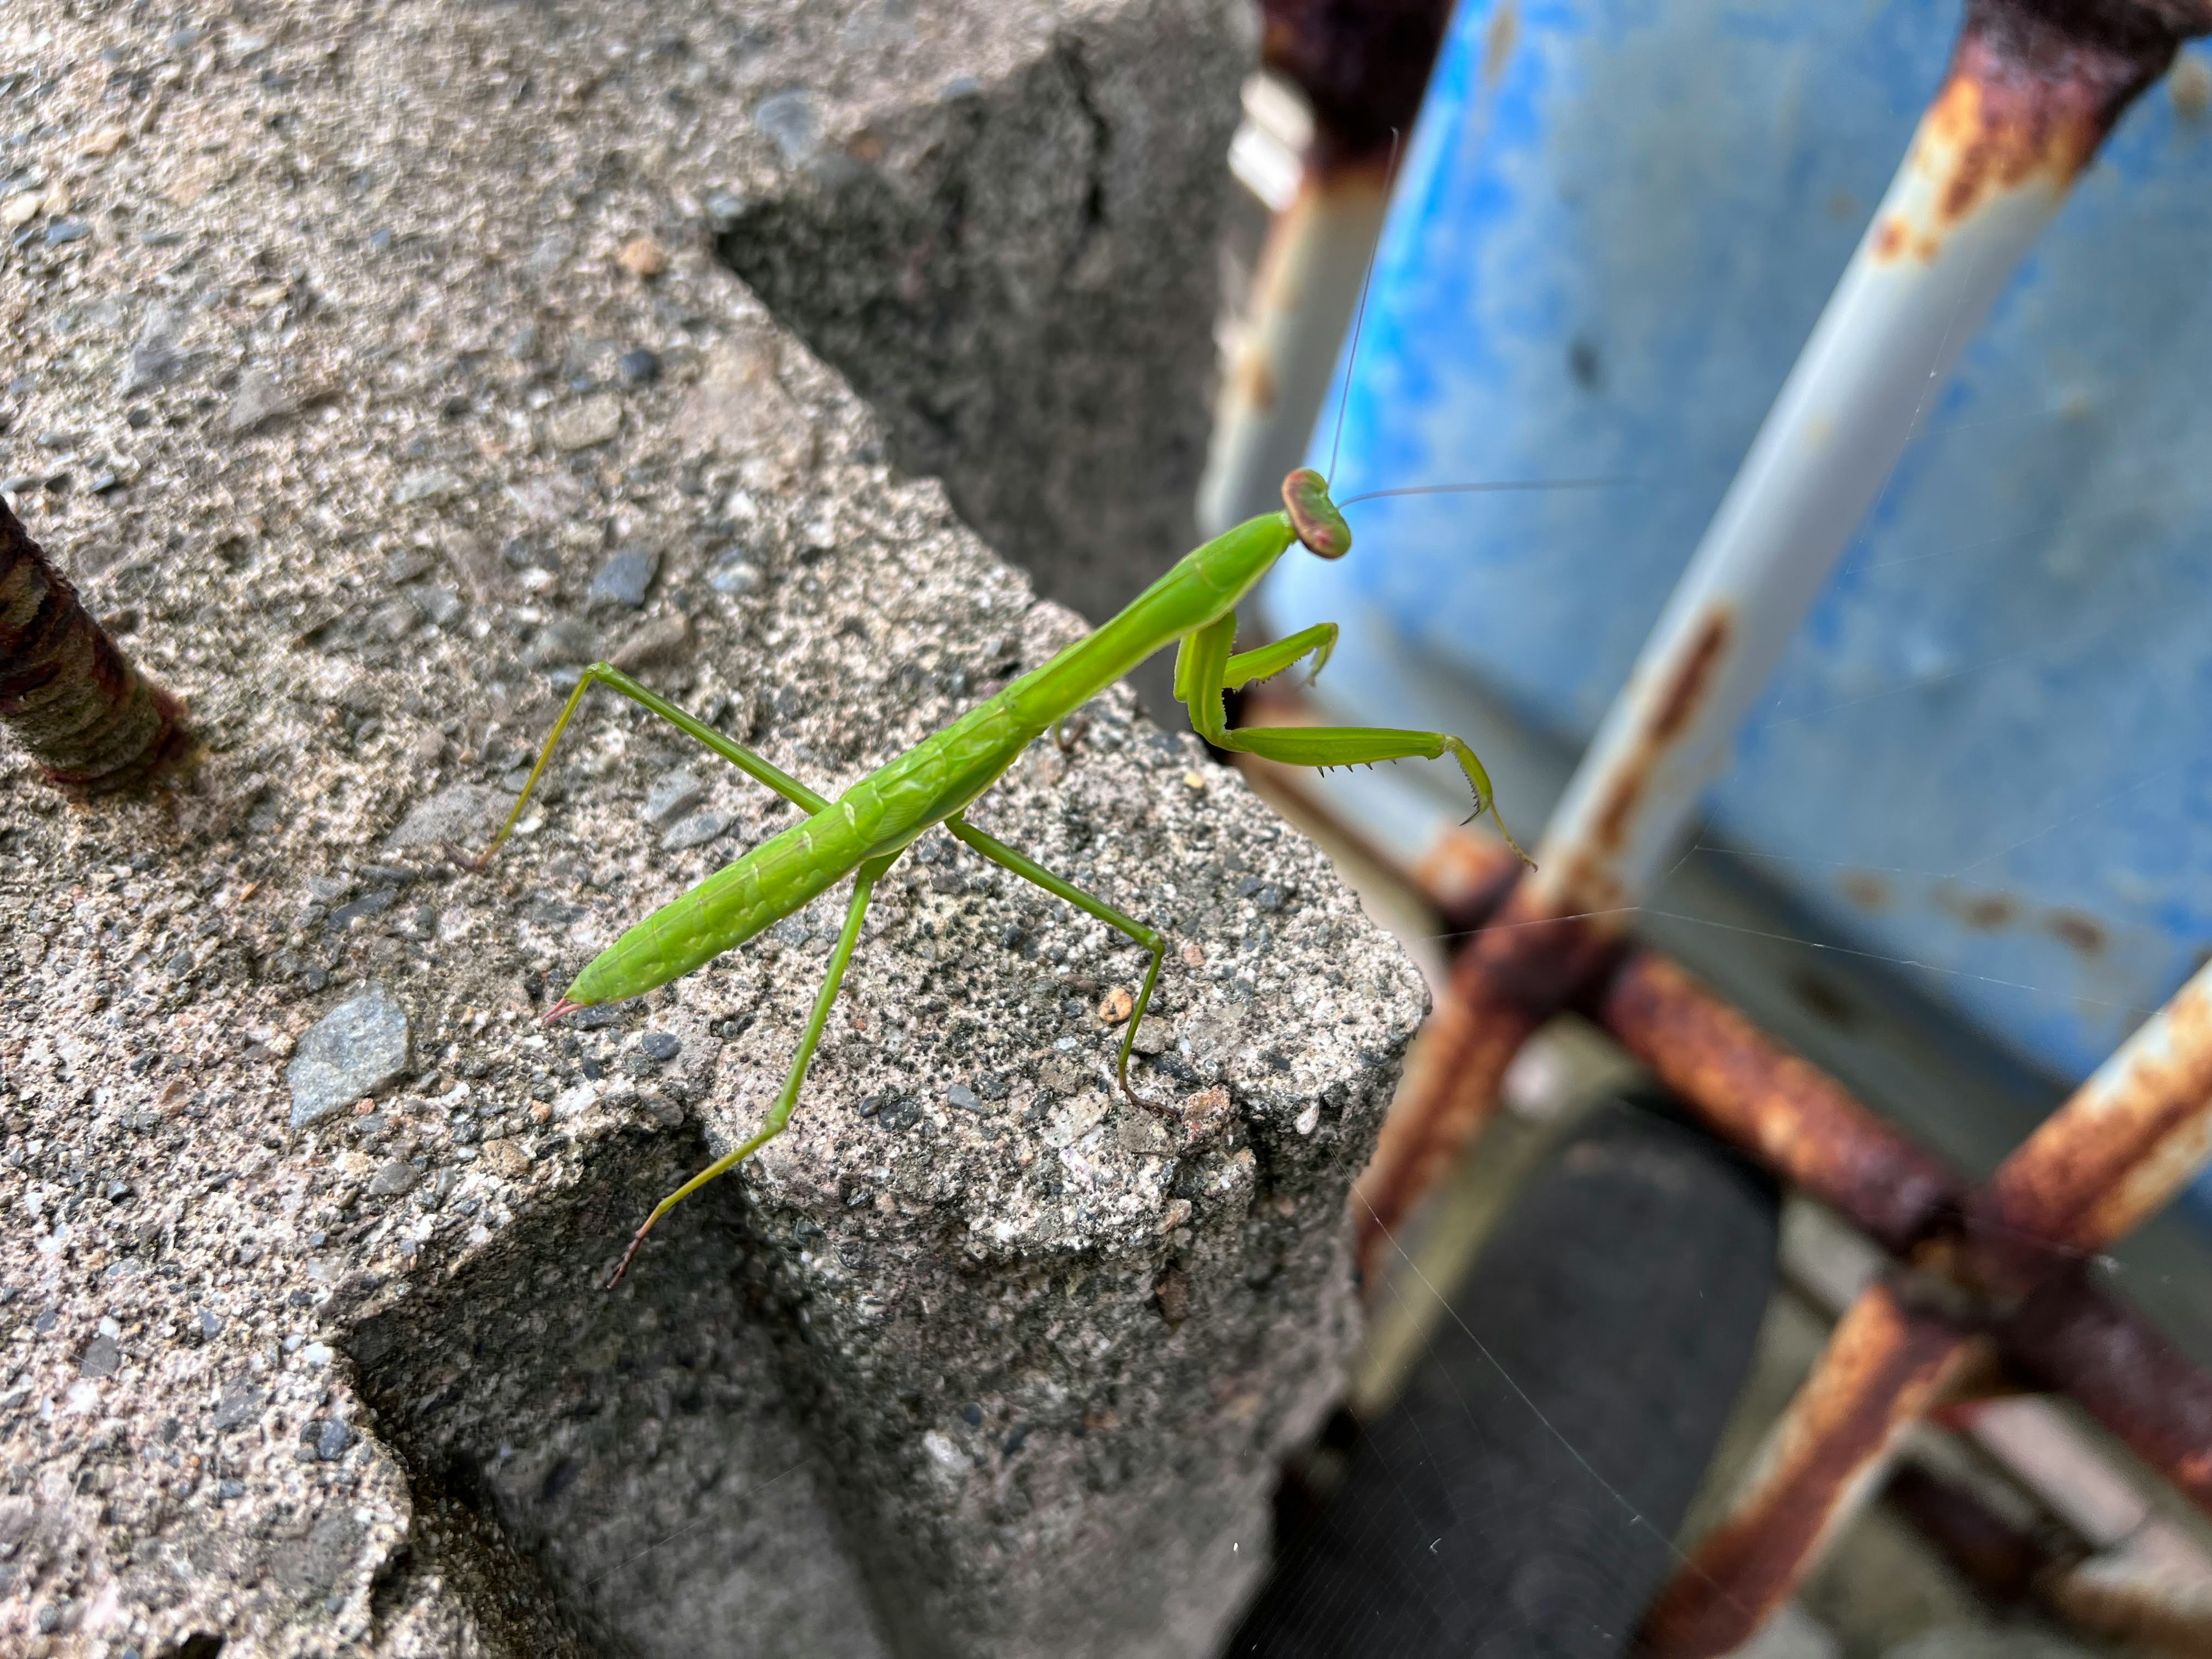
x: 626, y: 575
x: 672, y: 794
x: 354, y: 1050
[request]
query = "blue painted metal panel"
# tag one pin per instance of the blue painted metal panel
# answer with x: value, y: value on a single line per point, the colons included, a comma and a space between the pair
x: 1988, y: 751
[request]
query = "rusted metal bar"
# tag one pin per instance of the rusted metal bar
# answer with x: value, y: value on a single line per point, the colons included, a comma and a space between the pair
x: 1362, y: 65
x: 1518, y: 972
x: 2112, y: 1156
x: 2137, y: 1591
x: 2137, y: 1575
x: 1784, y: 1110
x: 2124, y: 1372
x: 2005, y: 1562
x: 1888, y: 1362
x: 94, y: 723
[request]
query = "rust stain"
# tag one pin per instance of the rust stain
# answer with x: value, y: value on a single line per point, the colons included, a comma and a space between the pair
x: 1498, y: 40
x: 1255, y: 379
x: 1984, y: 913
x: 2113, y: 1153
x: 1782, y: 1109
x: 1890, y: 238
x: 1885, y: 1365
x: 2033, y: 90
x: 1867, y: 890
x: 95, y: 725
x: 2078, y: 931
x: 1674, y: 711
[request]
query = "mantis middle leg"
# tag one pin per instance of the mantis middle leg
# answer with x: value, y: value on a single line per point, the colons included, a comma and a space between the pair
x: 1205, y: 666
x: 737, y: 754
x: 856, y: 910
x: 1151, y: 938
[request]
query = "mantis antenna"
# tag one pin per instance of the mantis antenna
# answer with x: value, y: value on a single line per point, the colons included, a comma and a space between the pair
x: 1359, y: 314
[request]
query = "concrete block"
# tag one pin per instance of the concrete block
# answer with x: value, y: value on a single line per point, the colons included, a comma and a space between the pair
x: 976, y: 1360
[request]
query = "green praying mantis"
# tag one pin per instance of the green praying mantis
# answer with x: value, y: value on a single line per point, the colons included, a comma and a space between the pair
x: 863, y: 831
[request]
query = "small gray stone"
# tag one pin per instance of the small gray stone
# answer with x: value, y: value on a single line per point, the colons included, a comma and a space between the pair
x: 155, y: 359
x: 586, y: 423
x: 963, y: 1098
x: 662, y: 1046
x: 672, y: 794
x: 465, y: 813
x: 697, y: 830
x: 425, y: 483
x: 724, y: 210
x: 331, y: 1439
x: 394, y: 1179
x: 64, y: 231
x: 550, y: 254
x: 258, y: 401
x: 354, y: 1050
x: 564, y: 640
x: 793, y: 121
x: 638, y: 367
x: 734, y: 572
x: 239, y: 1405
x: 440, y: 606
x: 626, y: 574
x: 102, y: 1357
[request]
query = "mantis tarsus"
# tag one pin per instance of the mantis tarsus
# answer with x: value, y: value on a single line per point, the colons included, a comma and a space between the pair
x: 863, y: 832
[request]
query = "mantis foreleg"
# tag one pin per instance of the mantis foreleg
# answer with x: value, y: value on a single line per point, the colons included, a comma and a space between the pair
x: 1029, y: 870
x: 856, y: 910
x: 1205, y: 667
x: 736, y: 753
x: 1248, y: 665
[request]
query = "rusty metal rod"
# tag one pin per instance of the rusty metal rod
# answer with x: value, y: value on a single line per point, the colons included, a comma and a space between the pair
x: 2068, y: 1333
x: 1784, y: 1110
x: 2118, y: 1594
x: 1886, y: 1364
x: 95, y: 723
x: 2125, y: 1373
x: 2112, y: 1156
x: 1516, y: 973
x: 2005, y: 1562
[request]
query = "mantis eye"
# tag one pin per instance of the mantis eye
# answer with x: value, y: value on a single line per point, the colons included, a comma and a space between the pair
x: 1314, y: 516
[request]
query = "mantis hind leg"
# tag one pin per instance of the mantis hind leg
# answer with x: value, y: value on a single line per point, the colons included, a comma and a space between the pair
x: 856, y: 911
x: 614, y: 679
x: 1151, y: 938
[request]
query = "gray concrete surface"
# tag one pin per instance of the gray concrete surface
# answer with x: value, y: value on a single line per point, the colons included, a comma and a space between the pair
x: 435, y: 392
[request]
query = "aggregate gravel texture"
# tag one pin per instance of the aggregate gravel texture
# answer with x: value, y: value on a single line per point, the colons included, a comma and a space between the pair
x: 322, y: 334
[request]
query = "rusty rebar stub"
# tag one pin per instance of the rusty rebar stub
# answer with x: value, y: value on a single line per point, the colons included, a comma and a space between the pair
x: 95, y: 723
x: 1362, y: 64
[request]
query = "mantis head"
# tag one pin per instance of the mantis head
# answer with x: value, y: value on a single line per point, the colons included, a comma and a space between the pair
x: 1314, y: 516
